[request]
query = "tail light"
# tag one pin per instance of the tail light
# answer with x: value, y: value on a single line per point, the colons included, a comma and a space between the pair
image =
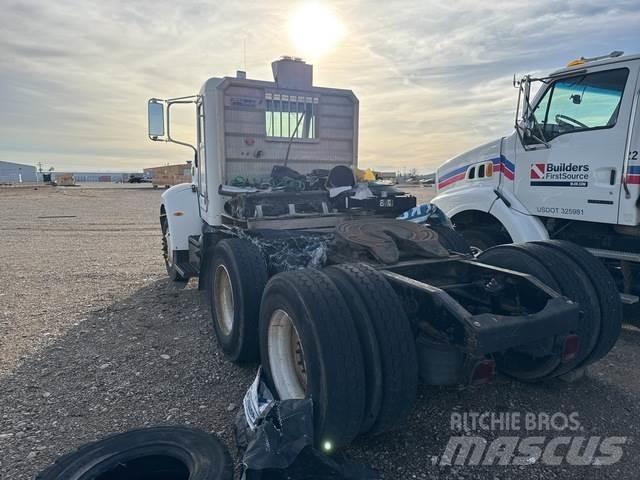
x: 570, y: 347
x: 483, y: 372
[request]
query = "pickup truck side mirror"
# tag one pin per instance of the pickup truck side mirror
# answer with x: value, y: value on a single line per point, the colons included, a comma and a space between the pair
x: 155, y: 111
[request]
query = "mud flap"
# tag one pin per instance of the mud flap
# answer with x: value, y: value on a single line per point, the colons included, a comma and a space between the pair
x: 275, y: 440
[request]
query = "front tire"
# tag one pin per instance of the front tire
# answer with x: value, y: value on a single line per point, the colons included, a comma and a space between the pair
x: 481, y: 239
x: 169, y: 255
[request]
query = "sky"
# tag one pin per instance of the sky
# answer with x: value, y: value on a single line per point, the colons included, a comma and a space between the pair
x: 433, y: 78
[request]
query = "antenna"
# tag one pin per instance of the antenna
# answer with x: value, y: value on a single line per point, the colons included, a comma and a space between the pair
x: 244, y: 53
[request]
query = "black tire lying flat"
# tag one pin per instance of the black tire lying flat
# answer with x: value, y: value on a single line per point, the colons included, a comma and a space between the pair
x: 307, y: 303
x: 158, y: 453
x: 574, y: 284
x: 396, y: 344
x: 237, y: 267
x: 606, y: 292
x: 371, y: 355
x: 515, y: 362
x: 451, y: 239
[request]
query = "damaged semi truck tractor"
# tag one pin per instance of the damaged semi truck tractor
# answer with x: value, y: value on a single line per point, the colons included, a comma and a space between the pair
x: 569, y: 172
x: 313, y: 274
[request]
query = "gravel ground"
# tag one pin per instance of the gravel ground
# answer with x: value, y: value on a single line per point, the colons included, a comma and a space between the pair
x: 94, y: 340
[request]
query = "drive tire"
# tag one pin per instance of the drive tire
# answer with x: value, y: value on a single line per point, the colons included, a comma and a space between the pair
x: 606, y: 291
x: 158, y: 453
x: 573, y: 284
x: 451, y: 239
x: 368, y: 339
x: 396, y: 343
x: 514, y: 363
x: 307, y: 303
x: 237, y: 277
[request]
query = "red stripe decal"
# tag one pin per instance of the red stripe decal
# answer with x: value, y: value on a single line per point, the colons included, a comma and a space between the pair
x: 454, y: 179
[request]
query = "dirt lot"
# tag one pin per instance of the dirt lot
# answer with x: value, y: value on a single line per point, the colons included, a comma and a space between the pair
x: 94, y: 340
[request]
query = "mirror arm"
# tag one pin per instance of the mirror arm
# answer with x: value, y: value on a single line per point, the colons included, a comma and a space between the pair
x: 169, y: 138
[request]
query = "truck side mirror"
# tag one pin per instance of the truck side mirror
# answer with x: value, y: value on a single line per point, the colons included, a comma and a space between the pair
x: 155, y: 111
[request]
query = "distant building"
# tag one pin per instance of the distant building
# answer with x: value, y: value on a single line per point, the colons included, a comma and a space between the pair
x: 63, y: 179
x: 169, y: 174
x: 17, y: 173
x: 86, y: 177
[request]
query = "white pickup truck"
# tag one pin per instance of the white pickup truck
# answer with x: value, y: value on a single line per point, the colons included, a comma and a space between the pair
x: 569, y: 171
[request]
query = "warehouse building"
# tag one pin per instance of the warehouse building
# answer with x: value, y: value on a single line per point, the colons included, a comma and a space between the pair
x: 17, y: 173
x: 114, y: 177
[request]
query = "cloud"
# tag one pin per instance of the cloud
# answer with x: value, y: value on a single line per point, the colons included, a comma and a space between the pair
x: 433, y: 78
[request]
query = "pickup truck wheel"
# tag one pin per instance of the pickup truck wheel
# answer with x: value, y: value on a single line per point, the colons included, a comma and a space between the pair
x: 168, y: 254
x: 451, y: 239
x: 310, y: 349
x: 237, y: 278
x: 606, y: 293
x: 158, y: 453
x: 396, y: 343
x: 574, y: 284
x: 518, y: 363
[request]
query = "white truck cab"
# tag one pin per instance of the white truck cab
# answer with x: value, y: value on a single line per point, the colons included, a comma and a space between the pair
x: 570, y: 170
x: 243, y: 128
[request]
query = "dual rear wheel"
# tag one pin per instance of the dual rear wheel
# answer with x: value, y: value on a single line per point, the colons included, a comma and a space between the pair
x: 575, y: 273
x: 341, y: 338
x: 338, y: 336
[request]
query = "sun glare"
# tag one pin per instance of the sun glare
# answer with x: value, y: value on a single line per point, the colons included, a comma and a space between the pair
x: 314, y: 30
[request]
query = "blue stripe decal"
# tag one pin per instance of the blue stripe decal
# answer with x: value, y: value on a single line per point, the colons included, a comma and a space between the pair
x: 453, y: 173
x: 508, y: 164
x: 634, y: 170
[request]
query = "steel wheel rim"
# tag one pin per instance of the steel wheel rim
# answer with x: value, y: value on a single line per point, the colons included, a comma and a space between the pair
x: 223, y: 291
x: 286, y: 357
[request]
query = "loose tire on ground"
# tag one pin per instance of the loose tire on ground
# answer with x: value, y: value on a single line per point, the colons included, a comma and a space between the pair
x: 158, y: 453
x: 451, y: 239
x: 309, y: 348
x: 237, y: 276
x: 606, y: 292
x: 396, y: 343
x: 516, y: 362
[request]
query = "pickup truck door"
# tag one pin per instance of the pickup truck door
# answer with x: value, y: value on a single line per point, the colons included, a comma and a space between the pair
x: 585, y: 120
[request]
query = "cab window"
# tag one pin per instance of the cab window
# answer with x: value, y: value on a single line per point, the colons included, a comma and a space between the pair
x: 580, y: 103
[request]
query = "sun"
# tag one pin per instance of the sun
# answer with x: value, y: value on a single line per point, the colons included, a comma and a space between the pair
x: 314, y: 30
